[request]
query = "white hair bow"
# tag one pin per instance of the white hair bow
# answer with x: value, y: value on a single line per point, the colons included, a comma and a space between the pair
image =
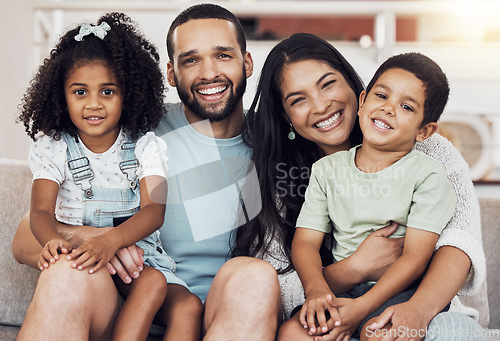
x: 99, y: 31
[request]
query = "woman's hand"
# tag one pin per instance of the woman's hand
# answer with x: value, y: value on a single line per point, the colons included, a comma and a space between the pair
x: 376, y: 253
x: 51, y: 250
x: 405, y: 321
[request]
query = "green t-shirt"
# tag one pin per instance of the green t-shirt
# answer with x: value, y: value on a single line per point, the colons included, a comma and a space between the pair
x: 413, y: 192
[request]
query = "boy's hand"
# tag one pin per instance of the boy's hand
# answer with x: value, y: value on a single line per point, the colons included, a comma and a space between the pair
x: 313, y: 314
x: 352, y: 312
x: 96, y: 252
x: 51, y: 250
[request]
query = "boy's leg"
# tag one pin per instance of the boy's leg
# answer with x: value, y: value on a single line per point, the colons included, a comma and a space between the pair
x: 244, y: 302
x: 293, y: 330
x: 180, y: 314
x: 144, y: 297
x: 68, y: 302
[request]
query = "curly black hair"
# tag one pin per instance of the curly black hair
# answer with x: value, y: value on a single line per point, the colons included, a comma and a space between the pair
x: 135, y: 64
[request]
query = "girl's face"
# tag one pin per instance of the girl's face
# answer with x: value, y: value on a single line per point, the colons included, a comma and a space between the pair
x: 94, y: 101
x: 319, y: 103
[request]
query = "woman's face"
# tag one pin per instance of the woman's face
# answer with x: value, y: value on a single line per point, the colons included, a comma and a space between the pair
x: 320, y: 103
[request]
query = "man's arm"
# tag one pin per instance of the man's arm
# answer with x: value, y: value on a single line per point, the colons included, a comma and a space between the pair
x: 26, y: 249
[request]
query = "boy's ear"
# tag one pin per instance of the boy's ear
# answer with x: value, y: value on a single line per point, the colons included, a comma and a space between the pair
x: 426, y: 131
x: 362, y: 97
x: 170, y: 74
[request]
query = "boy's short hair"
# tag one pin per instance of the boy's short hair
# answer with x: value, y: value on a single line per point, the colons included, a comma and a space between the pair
x: 436, y: 84
x: 205, y: 11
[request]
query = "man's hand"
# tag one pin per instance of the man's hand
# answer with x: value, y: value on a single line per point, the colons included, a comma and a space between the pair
x: 127, y: 263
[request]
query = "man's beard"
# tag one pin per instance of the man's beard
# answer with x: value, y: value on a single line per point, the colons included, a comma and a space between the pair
x: 212, y: 114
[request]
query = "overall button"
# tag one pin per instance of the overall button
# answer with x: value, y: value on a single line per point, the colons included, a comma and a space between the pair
x: 159, y: 249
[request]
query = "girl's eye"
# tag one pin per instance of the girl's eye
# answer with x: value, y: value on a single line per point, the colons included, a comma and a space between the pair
x: 80, y: 92
x: 107, y: 92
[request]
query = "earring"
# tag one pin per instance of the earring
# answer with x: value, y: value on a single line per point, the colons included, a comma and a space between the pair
x: 291, y: 134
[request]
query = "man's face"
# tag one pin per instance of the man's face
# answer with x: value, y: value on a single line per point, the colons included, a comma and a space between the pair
x: 208, y: 68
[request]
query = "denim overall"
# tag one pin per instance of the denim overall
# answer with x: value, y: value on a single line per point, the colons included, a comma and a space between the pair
x: 104, y: 207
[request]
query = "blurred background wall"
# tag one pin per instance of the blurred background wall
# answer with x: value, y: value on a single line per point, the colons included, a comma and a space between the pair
x: 463, y: 36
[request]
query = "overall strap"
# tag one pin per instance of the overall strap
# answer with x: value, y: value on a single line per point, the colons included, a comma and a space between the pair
x: 79, y: 165
x: 129, y: 163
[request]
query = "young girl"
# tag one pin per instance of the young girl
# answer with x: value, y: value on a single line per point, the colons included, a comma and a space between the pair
x: 91, y: 100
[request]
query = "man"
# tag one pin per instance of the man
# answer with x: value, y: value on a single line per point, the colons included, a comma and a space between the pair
x: 209, y: 196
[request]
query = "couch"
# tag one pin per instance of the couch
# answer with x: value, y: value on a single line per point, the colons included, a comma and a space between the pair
x: 18, y: 281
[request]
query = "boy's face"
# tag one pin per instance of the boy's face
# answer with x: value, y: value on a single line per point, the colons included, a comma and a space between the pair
x: 391, y: 114
x: 208, y: 68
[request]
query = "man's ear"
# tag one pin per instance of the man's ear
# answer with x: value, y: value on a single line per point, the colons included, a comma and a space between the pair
x: 170, y: 74
x: 426, y: 131
x: 248, y: 60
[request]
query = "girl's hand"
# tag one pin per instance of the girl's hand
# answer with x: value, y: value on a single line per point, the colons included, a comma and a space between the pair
x: 51, y: 250
x: 96, y: 252
x: 313, y: 311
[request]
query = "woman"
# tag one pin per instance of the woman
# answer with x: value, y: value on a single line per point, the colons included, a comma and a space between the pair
x: 306, y: 107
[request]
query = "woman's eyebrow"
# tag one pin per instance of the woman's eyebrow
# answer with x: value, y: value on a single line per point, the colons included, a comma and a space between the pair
x: 317, y: 83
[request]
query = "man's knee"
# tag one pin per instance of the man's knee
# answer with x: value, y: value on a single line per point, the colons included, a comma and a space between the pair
x: 69, y: 286
x: 250, y: 271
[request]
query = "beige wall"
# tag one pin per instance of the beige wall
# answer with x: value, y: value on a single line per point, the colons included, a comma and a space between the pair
x: 16, y: 68
x: 473, y: 69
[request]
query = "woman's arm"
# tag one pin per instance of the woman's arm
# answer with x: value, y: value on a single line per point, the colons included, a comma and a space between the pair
x: 368, y: 263
x: 418, y: 250
x: 463, y: 231
x: 432, y: 295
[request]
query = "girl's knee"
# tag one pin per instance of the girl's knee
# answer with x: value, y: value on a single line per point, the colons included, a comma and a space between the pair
x: 192, y: 305
x: 152, y: 283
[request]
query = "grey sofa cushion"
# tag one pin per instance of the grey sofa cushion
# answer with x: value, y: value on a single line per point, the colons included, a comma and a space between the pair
x: 17, y: 282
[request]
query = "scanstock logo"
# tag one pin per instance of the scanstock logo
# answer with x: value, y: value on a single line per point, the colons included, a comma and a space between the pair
x: 208, y: 184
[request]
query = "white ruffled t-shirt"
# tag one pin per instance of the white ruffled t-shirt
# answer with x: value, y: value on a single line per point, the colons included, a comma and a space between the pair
x: 47, y: 160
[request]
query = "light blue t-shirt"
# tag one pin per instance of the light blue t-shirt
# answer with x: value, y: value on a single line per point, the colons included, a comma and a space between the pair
x: 207, y: 183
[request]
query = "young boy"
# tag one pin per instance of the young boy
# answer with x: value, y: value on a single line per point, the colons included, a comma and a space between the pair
x: 352, y: 193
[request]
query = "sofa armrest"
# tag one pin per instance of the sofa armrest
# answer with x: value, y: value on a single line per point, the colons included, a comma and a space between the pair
x: 17, y: 281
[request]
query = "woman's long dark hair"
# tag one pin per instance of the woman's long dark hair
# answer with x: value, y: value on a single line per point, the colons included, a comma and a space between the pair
x: 283, y: 166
